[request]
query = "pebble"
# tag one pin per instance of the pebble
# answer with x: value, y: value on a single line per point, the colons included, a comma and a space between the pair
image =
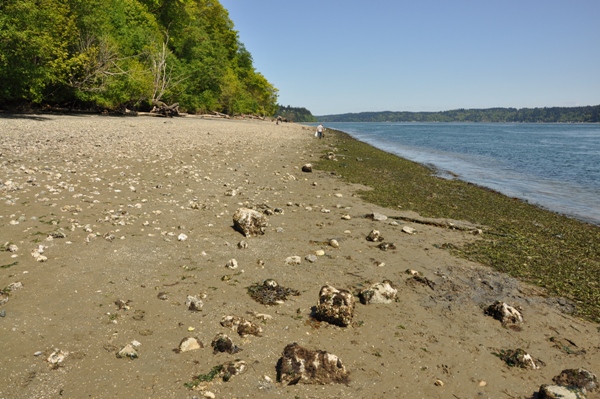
x: 38, y: 353
x: 2, y: 313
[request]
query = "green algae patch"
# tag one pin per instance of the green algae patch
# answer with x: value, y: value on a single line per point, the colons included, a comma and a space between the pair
x: 552, y: 251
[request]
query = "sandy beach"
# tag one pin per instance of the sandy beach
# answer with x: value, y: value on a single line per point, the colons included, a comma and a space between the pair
x: 109, y: 224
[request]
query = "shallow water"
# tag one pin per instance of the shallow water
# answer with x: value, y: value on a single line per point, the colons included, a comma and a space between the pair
x: 556, y: 166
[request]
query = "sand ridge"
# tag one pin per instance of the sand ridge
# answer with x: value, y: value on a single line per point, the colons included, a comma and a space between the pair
x: 108, y: 199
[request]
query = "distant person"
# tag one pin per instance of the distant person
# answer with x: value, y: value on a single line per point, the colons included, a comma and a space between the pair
x: 320, y: 130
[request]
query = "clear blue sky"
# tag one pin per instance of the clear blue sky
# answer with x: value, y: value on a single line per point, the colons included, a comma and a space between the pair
x: 338, y: 56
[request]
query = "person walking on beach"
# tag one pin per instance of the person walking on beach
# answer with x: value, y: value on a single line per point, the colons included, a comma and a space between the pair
x: 320, y: 131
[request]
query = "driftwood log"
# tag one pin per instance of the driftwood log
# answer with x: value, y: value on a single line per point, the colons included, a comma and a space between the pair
x: 163, y: 109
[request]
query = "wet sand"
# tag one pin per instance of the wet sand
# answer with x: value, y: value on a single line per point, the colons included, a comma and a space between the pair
x: 103, y: 202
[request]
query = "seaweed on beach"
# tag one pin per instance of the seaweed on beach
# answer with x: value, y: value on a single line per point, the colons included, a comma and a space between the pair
x: 270, y: 293
x: 538, y: 246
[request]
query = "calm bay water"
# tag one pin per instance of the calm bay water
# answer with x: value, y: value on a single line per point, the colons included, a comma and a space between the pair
x: 556, y: 166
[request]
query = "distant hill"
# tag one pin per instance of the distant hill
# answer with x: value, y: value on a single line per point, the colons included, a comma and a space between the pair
x: 588, y: 114
x: 295, y: 114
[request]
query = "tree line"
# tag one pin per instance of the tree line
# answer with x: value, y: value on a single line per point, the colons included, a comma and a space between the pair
x: 112, y: 54
x: 295, y: 114
x: 587, y: 114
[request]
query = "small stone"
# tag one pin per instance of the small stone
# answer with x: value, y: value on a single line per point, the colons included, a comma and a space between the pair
x: 413, y: 272
x: 439, y: 383
x: 15, y: 286
x: 307, y: 168
x: 311, y: 258
x: 408, y: 230
x: 190, y: 344
x: 293, y: 260
x: 334, y: 243
x: 374, y: 236
x: 182, y: 237
x: 38, y: 353
x: 128, y: 351
x: 319, y: 252
x: 338, y: 195
x: 242, y: 244
x: 194, y: 303
x: 346, y: 217
x: 482, y: 383
x: 163, y: 296
x: 209, y: 394
x: 242, y: 326
x: 378, y: 217
x: 3, y: 313
x: 232, y: 264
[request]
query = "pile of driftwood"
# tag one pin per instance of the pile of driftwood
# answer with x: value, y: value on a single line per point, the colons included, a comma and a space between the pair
x: 163, y: 109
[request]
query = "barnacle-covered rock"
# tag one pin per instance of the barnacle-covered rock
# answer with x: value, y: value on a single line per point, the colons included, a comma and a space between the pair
x: 335, y: 306
x: 382, y: 292
x: 242, y: 326
x: 518, y: 358
x: 579, y: 378
x: 249, y: 222
x: 301, y: 365
x: 222, y: 343
x: 374, y: 236
x: 505, y: 313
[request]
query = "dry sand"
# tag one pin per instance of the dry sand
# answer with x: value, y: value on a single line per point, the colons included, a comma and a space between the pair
x: 122, y: 190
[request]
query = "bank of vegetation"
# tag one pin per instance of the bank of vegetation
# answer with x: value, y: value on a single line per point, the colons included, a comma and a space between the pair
x: 295, y: 114
x: 588, y: 114
x: 113, y: 54
x: 544, y: 248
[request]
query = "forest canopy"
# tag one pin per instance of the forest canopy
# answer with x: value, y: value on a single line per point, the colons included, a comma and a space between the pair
x: 112, y: 54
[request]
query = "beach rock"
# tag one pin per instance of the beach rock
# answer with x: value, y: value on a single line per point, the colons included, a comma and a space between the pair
x: 293, y: 260
x: 560, y: 392
x: 249, y: 222
x: 378, y: 217
x: 307, y: 168
x: 408, y: 230
x: 222, y: 343
x: 504, y: 313
x: 382, y: 292
x: 128, y: 351
x: 233, y: 368
x: 384, y: 246
x: 312, y: 258
x: 335, y: 306
x: 374, y: 236
x: 579, y: 378
x: 194, y: 303
x: 17, y: 285
x: 232, y: 264
x: 242, y: 326
x: 518, y: 358
x: 301, y: 365
x: 334, y: 243
x: 11, y: 248
x: 190, y: 344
